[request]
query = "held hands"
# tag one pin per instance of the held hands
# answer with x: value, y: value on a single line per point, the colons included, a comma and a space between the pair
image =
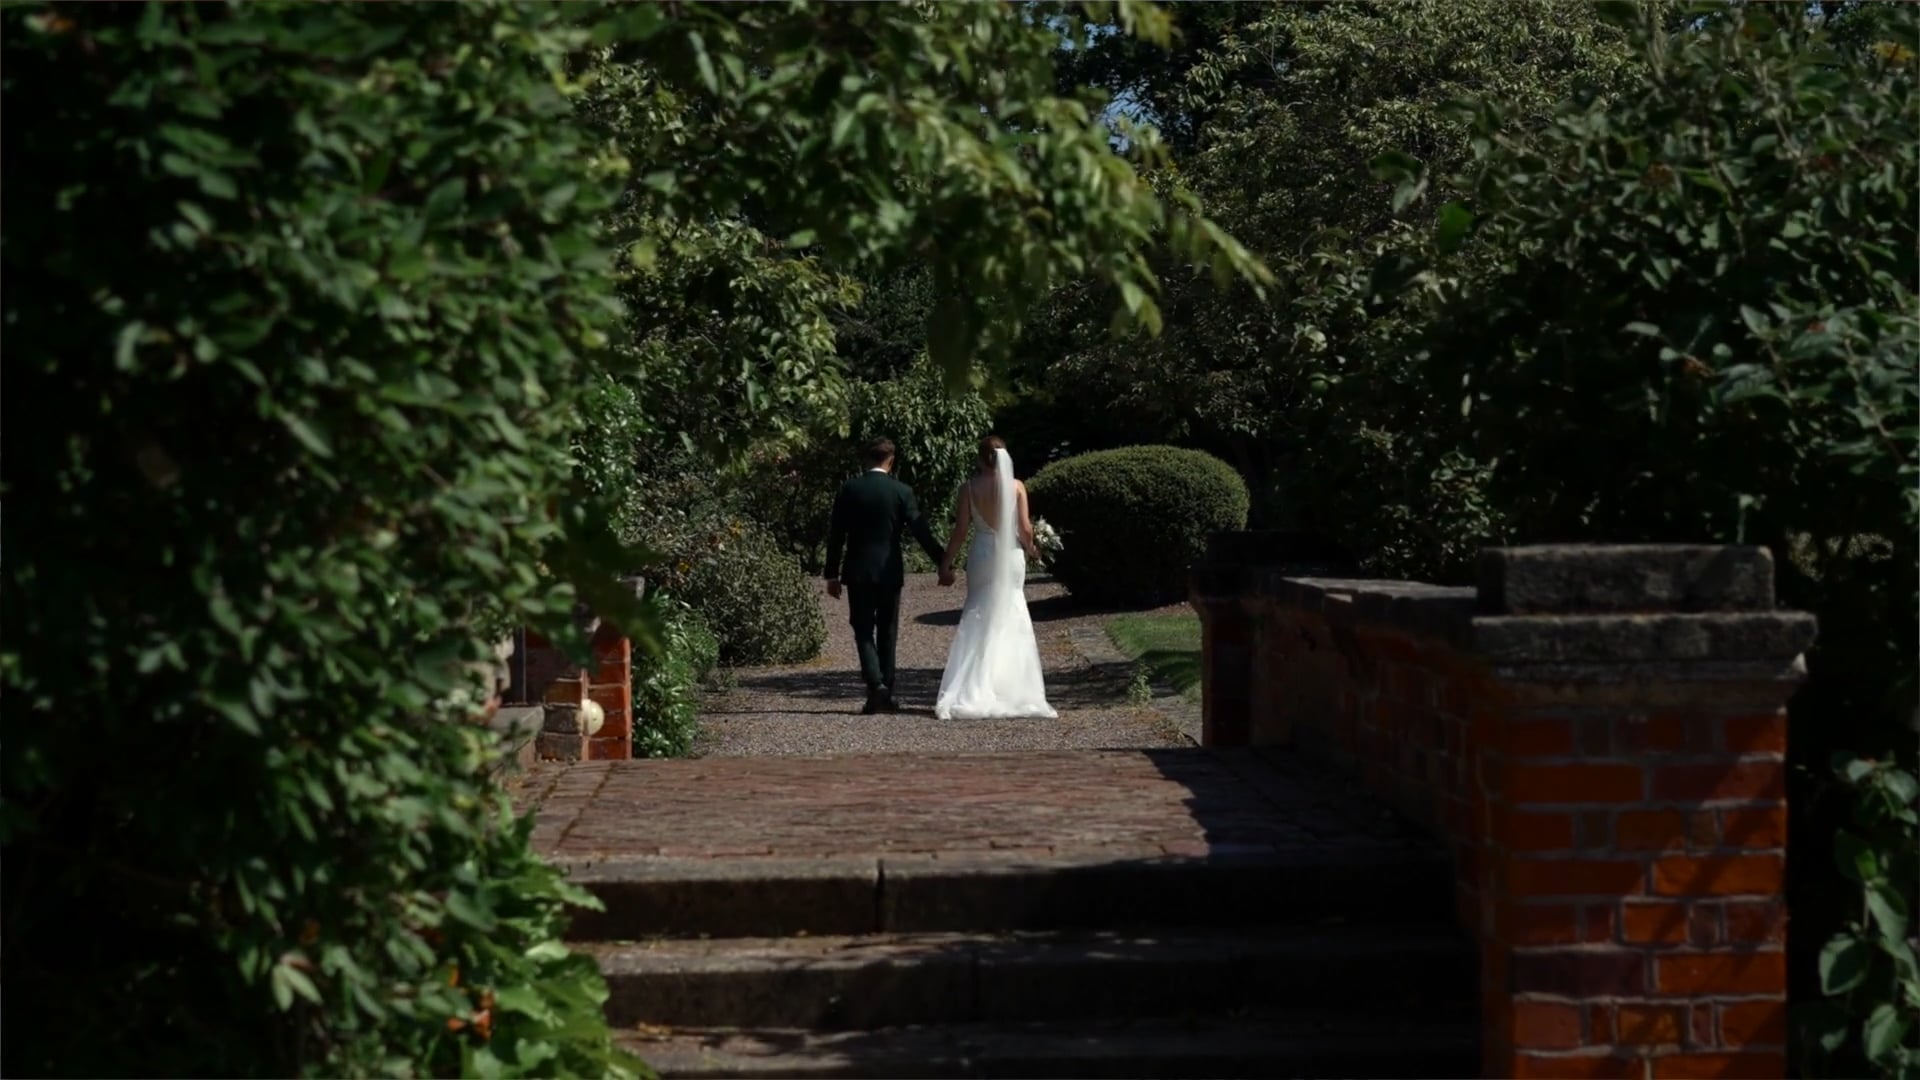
x: 946, y: 575
x: 833, y: 588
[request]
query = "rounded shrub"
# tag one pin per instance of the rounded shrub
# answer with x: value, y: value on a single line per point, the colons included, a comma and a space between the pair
x: 1132, y: 520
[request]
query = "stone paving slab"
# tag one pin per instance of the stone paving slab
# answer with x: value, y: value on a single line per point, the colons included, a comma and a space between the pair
x: 1119, y: 804
x: 889, y: 843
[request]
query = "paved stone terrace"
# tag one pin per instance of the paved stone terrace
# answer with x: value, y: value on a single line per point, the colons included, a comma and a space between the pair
x: 1106, y: 805
x: 813, y: 708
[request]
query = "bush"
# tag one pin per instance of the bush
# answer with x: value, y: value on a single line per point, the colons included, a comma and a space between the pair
x: 789, y: 492
x: 761, y: 607
x: 752, y: 594
x: 1133, y: 520
x: 666, y: 702
x: 299, y: 394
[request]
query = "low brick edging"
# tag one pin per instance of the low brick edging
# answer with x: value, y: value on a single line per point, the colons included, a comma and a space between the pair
x: 1599, y: 735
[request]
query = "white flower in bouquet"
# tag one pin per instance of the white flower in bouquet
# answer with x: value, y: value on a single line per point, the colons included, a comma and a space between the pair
x: 1047, y: 539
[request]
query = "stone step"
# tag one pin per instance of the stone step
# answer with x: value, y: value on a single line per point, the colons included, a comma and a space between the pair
x: 891, y: 980
x: 778, y: 897
x: 1289, y: 1046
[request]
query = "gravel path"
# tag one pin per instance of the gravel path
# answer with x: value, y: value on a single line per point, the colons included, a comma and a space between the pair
x: 814, y: 708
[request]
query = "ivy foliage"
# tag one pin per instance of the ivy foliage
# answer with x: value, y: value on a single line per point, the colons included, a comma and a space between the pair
x: 311, y: 302
x: 1868, y: 968
x: 297, y: 293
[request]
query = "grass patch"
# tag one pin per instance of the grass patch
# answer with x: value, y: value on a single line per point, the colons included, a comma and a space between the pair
x: 1167, y: 647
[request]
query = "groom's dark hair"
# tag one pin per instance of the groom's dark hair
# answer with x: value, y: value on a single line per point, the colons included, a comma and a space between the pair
x: 876, y: 452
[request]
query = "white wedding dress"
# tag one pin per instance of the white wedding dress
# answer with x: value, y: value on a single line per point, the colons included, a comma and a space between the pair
x: 993, y: 666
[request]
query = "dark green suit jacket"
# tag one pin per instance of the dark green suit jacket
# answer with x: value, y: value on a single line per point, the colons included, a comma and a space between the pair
x: 870, y: 516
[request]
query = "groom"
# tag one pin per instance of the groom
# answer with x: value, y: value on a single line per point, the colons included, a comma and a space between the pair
x: 869, y: 516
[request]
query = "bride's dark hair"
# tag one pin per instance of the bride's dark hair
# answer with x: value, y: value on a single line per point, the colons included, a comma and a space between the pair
x: 988, y: 445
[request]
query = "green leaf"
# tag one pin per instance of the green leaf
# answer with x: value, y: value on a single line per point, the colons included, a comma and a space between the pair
x: 1396, y: 167
x: 1843, y: 964
x: 1902, y: 787
x: 1888, y: 908
x: 124, y: 356
x: 1856, y: 858
x: 217, y: 184
x: 467, y: 910
x: 1455, y: 221
x: 1884, y: 1032
x: 197, y: 217
x: 406, y: 265
x: 310, y: 436
x: 1827, y: 1022
x: 445, y: 199
x: 1853, y: 769
x: 375, y: 176
x: 704, y: 63
x: 288, y: 980
x: 1409, y: 192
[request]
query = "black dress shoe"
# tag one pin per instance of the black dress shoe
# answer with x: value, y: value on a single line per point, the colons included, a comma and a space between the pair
x: 876, y: 701
x: 889, y: 705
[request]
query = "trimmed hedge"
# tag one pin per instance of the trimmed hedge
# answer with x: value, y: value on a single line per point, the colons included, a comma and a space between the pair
x: 1133, y: 520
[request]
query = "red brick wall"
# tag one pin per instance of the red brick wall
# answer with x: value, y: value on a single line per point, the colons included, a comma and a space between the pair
x: 1391, y: 707
x: 1617, y: 824
x: 1639, y: 859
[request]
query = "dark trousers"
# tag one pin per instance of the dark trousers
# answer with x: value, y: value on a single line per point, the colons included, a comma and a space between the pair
x: 874, y: 611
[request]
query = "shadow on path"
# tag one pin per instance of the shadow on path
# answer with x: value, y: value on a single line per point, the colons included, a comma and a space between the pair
x: 1057, y: 608
x: 1079, y: 688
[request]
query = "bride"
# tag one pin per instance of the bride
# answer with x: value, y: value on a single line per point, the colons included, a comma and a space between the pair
x: 993, y: 667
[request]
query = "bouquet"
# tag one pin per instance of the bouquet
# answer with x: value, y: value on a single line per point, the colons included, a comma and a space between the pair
x: 1047, y: 539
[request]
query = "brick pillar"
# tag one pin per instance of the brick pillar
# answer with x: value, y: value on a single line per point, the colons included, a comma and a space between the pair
x: 612, y: 689
x: 1631, y: 780
x: 565, y: 690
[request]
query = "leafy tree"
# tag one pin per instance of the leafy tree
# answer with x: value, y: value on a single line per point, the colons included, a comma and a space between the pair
x: 1294, y: 102
x: 885, y: 334
x: 311, y: 302
x: 1690, y: 314
x: 925, y: 140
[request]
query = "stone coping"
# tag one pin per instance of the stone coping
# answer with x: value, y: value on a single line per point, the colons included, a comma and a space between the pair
x: 1550, y: 604
x: 1597, y: 579
x: 1454, y: 616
